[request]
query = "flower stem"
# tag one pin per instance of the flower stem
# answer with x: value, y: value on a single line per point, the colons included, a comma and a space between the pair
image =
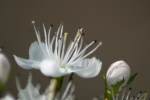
x: 2, y: 88
x: 107, y: 92
x: 54, y: 87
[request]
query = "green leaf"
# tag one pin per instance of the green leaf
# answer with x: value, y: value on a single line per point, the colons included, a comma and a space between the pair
x: 132, y: 78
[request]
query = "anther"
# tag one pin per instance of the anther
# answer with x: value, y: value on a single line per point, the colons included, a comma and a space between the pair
x: 83, y: 34
x: 81, y: 30
x: 51, y: 25
x: 95, y: 41
x: 33, y: 22
x: 140, y: 92
x: 130, y: 88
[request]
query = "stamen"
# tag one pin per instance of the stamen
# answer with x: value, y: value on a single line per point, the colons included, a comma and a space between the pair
x: 76, y: 51
x: 64, y: 44
x: 49, y: 34
x: 81, y: 30
x: 123, y: 95
x: 56, y: 45
x: 67, y: 90
x: 86, y: 47
x: 76, y: 58
x: 130, y: 89
x: 45, y: 33
x: 51, y: 25
x: 46, y: 39
x: 139, y: 95
x: 51, y: 44
x: 38, y: 37
x: 73, y: 47
x: 80, y: 46
x: 61, y: 31
x: 68, y: 52
x: 128, y: 94
x: 65, y: 36
x: 56, y: 41
x: 33, y: 22
x: 144, y: 96
x: 100, y: 43
x: 83, y: 34
x: 60, y: 41
x: 77, y: 34
x: 95, y: 41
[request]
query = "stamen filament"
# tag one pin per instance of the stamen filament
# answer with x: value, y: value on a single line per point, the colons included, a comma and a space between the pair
x: 99, y: 44
x: 38, y: 37
x: 76, y: 58
x: 49, y: 34
x: 64, y: 45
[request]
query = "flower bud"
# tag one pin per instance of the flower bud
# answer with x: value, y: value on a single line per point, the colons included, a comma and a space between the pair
x: 4, y: 67
x: 118, y: 71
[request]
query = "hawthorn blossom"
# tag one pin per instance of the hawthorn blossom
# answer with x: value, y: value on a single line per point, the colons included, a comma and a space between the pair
x: 54, y: 58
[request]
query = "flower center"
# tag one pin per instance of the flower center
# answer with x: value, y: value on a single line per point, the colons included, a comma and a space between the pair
x: 50, y: 68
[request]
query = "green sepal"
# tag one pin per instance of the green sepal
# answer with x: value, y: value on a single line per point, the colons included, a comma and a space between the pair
x: 113, y: 90
x: 132, y: 78
x: 116, y: 87
x: 108, y: 92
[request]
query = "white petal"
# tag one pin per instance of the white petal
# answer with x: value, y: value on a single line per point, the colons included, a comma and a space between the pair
x: 26, y: 64
x: 87, y: 68
x: 51, y: 68
x: 36, y: 53
x: 7, y: 97
x: 4, y: 67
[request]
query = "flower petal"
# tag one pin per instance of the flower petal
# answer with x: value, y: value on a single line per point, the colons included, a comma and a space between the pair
x: 26, y: 64
x: 88, y: 68
x: 36, y: 53
x: 4, y: 67
x: 51, y: 68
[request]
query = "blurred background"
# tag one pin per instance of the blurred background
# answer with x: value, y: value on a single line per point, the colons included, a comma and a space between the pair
x: 122, y: 25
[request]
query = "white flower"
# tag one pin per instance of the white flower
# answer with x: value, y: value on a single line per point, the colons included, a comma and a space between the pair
x: 118, y: 71
x: 53, y: 58
x: 7, y: 97
x: 30, y: 92
x: 4, y: 67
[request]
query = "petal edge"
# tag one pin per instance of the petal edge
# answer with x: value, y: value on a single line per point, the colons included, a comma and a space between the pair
x: 26, y: 63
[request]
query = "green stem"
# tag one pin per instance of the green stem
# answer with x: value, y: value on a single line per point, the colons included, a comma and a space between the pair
x: 107, y: 91
x: 54, y: 87
x: 2, y: 88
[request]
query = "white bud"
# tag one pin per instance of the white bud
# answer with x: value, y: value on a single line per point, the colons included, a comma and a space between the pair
x: 118, y: 71
x: 4, y: 67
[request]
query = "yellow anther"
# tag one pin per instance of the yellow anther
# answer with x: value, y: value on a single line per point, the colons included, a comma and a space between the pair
x: 79, y: 32
x: 65, y: 36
